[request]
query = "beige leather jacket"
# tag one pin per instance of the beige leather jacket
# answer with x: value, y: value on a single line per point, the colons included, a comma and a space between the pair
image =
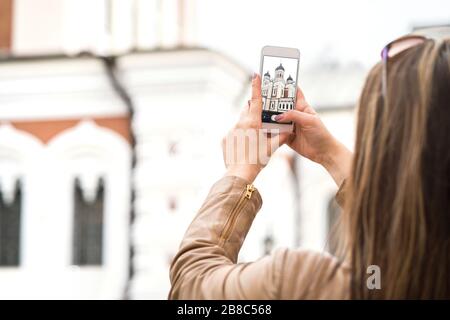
x: 206, y: 265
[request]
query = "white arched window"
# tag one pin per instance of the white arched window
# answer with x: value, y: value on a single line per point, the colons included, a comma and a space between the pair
x: 88, y: 220
x: 10, y: 216
x: 20, y: 155
x: 91, y: 169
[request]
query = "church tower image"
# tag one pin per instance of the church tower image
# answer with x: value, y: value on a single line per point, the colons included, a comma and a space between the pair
x: 278, y: 94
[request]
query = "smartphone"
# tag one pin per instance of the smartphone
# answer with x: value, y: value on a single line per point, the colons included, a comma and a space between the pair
x: 279, y: 75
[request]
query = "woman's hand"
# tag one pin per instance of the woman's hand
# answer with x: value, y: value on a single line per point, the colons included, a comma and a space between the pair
x: 313, y: 141
x: 247, y: 147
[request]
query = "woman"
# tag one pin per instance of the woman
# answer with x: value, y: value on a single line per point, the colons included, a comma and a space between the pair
x: 395, y: 199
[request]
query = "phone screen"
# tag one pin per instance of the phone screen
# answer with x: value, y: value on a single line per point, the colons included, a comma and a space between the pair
x: 278, y: 86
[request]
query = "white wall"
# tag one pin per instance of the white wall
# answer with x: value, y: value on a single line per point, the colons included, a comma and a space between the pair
x: 35, y: 31
x: 103, y: 27
x: 56, y: 89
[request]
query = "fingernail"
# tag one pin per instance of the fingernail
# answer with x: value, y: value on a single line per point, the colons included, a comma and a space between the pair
x: 279, y: 117
x: 254, y: 75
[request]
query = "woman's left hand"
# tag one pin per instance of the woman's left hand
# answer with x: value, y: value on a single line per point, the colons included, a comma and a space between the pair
x: 247, y: 147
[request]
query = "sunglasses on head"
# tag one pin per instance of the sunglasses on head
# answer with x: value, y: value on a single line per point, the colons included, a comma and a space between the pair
x: 406, y: 42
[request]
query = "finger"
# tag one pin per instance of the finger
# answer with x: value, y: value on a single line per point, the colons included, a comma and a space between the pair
x: 302, y: 104
x: 277, y: 140
x: 256, y: 86
x: 300, y: 95
x: 245, y: 109
x: 303, y: 119
x: 256, y: 102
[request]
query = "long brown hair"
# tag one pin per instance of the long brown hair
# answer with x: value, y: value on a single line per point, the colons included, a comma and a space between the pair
x: 397, y: 208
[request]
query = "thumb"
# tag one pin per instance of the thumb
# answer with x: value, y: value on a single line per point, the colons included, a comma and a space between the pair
x: 303, y: 119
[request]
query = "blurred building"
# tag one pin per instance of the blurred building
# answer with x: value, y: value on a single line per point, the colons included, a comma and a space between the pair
x: 65, y: 180
x: 111, y: 117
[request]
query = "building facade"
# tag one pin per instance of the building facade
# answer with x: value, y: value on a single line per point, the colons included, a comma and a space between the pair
x: 278, y: 93
x: 64, y: 161
x: 104, y: 161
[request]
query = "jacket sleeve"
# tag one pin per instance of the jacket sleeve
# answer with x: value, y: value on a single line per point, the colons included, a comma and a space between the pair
x: 205, y: 266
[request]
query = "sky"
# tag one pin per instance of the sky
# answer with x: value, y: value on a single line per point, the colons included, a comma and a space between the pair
x: 346, y: 31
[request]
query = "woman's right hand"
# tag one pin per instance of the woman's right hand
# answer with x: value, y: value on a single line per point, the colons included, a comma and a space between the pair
x: 312, y: 140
